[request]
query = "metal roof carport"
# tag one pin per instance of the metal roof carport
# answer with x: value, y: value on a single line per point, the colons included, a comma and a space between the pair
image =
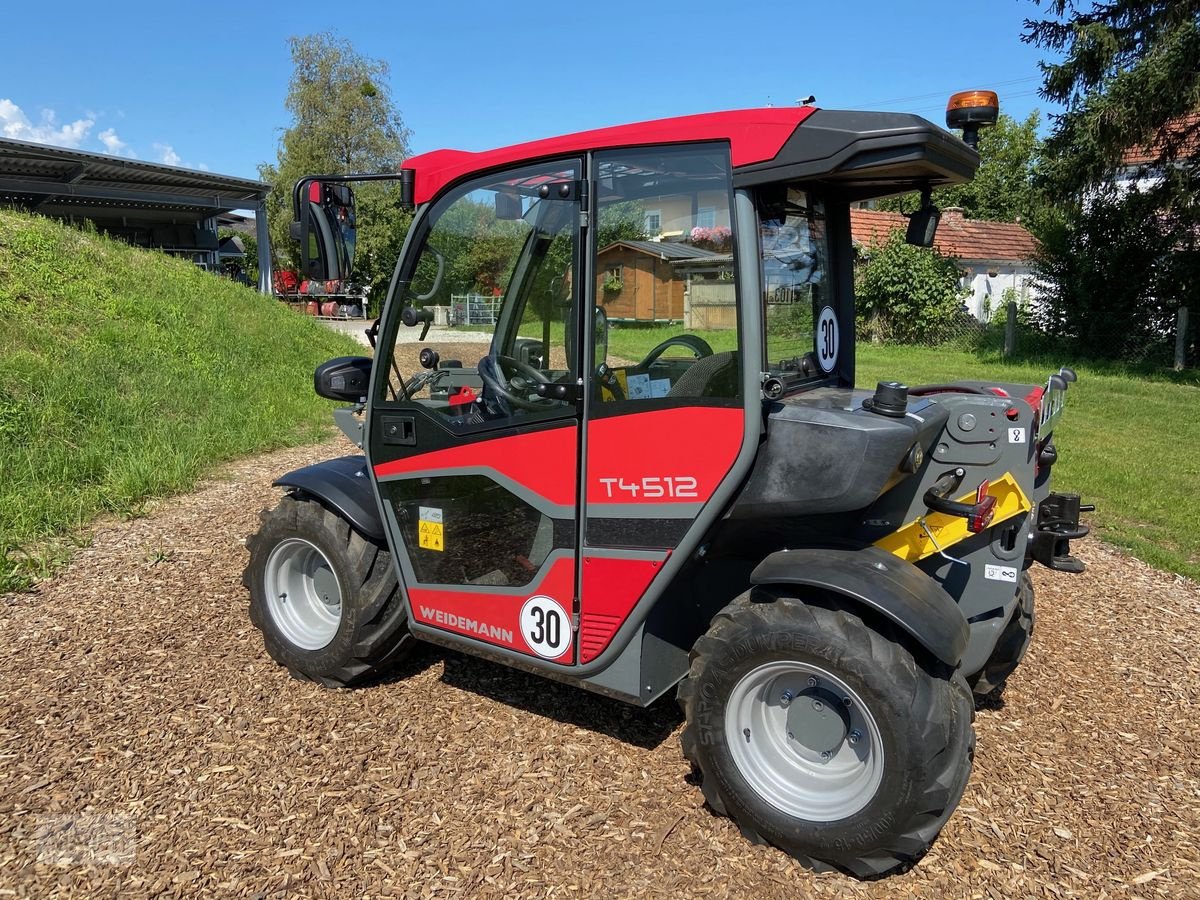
x: 148, y: 204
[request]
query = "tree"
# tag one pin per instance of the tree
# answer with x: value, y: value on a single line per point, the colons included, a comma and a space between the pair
x: 344, y: 122
x: 1003, y: 188
x: 1117, y: 261
x: 1129, y: 76
x: 908, y: 294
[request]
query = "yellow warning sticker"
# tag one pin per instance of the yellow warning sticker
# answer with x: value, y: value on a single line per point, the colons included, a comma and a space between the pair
x: 430, y: 536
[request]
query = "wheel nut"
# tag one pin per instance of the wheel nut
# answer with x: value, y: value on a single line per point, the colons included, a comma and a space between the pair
x: 826, y: 755
x: 786, y: 698
x: 812, y: 681
x: 855, y: 737
x: 791, y: 737
x: 818, y: 705
x: 845, y: 701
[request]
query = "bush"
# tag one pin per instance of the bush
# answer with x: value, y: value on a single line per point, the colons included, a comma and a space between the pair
x: 909, y: 294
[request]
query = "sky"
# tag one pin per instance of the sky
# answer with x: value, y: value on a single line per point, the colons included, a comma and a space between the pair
x: 203, y: 86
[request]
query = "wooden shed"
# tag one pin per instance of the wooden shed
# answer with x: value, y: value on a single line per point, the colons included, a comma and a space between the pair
x: 644, y: 281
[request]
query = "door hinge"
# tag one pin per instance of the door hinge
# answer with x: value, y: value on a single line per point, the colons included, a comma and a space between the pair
x: 575, y: 617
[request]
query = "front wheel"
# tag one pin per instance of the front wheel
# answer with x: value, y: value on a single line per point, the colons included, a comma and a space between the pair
x: 325, y: 598
x: 825, y: 736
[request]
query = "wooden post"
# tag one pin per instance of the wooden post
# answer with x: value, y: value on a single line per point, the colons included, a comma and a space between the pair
x: 1181, y: 327
x: 1010, y: 330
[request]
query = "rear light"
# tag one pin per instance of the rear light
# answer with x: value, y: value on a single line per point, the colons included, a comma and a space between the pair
x: 983, y: 511
x: 314, y: 192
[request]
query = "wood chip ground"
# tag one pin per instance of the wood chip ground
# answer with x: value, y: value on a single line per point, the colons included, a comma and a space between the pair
x: 148, y: 746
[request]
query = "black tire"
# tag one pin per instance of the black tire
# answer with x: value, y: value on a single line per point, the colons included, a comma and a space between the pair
x: 372, y: 634
x: 922, y: 709
x: 1011, y: 646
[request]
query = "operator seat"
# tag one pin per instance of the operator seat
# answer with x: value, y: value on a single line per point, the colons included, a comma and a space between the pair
x: 709, y: 376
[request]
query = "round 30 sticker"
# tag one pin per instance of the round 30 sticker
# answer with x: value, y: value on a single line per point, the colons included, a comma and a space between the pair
x: 545, y: 626
x: 827, y: 339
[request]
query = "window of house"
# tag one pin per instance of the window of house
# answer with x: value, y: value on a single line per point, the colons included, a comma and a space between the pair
x: 706, y: 217
x: 653, y: 222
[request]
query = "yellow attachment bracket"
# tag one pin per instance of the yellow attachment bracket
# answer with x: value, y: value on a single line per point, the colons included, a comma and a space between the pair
x: 936, y: 531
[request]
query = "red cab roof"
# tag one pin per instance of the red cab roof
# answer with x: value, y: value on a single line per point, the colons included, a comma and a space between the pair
x: 754, y: 135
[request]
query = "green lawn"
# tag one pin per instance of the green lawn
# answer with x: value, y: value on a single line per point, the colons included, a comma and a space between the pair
x: 125, y: 374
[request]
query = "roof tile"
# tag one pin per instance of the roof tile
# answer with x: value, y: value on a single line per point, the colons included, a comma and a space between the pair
x: 965, y: 239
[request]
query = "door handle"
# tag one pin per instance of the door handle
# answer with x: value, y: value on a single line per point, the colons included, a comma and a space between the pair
x: 400, y: 430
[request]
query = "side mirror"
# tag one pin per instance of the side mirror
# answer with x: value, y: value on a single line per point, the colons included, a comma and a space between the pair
x: 600, y: 336
x: 345, y: 378
x: 508, y: 207
x: 922, y: 225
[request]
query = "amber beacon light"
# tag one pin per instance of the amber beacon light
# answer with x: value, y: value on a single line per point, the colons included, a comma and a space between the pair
x: 970, y: 111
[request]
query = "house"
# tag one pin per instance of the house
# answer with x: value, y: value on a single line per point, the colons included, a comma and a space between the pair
x: 993, y: 256
x: 1141, y: 167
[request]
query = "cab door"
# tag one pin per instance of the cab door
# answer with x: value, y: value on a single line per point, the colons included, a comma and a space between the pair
x: 667, y: 423
x: 476, y: 457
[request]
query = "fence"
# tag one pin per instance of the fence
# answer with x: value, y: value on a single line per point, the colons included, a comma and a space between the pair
x: 473, y: 309
x: 1013, y: 332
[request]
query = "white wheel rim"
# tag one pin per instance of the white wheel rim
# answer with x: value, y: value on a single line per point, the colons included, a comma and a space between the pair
x: 812, y: 775
x: 304, y: 597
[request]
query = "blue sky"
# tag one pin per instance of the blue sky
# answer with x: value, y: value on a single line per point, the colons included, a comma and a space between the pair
x: 203, y: 85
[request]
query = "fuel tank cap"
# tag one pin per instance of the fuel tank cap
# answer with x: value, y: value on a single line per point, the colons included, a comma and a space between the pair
x: 891, y: 399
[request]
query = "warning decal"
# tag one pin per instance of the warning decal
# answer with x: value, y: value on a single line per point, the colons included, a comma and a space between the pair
x: 429, y: 529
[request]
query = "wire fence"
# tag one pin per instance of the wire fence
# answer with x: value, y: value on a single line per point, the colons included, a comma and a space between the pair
x: 1012, y: 332
x: 474, y: 309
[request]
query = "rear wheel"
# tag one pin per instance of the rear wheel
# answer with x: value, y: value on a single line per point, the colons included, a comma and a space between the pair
x: 1012, y: 645
x: 824, y: 736
x: 325, y: 598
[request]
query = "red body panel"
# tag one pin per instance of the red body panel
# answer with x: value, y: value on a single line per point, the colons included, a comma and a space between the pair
x: 642, y: 450
x: 525, y: 458
x: 611, y: 588
x: 494, y: 618
x: 755, y: 135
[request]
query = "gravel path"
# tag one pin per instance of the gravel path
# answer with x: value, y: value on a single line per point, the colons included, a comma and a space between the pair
x: 149, y: 746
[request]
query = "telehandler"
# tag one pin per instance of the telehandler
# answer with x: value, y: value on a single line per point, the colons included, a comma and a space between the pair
x: 825, y: 575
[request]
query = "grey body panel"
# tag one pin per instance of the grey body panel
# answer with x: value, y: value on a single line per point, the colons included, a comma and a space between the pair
x: 985, y: 449
x: 345, y: 486
x: 824, y: 453
x: 875, y: 578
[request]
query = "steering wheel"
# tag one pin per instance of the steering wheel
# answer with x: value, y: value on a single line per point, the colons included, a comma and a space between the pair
x: 699, y: 346
x: 513, y: 388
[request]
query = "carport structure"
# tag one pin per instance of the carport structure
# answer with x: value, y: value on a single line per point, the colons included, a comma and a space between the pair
x: 147, y: 204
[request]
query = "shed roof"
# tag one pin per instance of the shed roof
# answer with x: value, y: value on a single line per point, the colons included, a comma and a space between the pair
x: 670, y: 250
x: 57, y: 181
x: 965, y: 239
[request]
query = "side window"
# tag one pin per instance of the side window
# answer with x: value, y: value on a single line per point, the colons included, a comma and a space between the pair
x: 665, y: 275
x: 495, y: 277
x: 802, y: 340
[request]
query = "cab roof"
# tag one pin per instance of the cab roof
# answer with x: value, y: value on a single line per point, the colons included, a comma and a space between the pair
x: 878, y: 153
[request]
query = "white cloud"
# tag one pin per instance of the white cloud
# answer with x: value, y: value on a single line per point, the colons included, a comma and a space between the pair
x: 114, y: 144
x: 167, y: 155
x: 16, y: 125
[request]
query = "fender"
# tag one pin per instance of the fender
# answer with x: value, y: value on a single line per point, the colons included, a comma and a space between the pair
x: 878, y: 580
x: 343, y: 485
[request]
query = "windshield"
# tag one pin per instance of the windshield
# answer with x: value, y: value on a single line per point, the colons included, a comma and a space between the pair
x: 801, y: 330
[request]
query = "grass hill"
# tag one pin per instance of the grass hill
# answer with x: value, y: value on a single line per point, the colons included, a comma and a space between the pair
x: 125, y: 375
